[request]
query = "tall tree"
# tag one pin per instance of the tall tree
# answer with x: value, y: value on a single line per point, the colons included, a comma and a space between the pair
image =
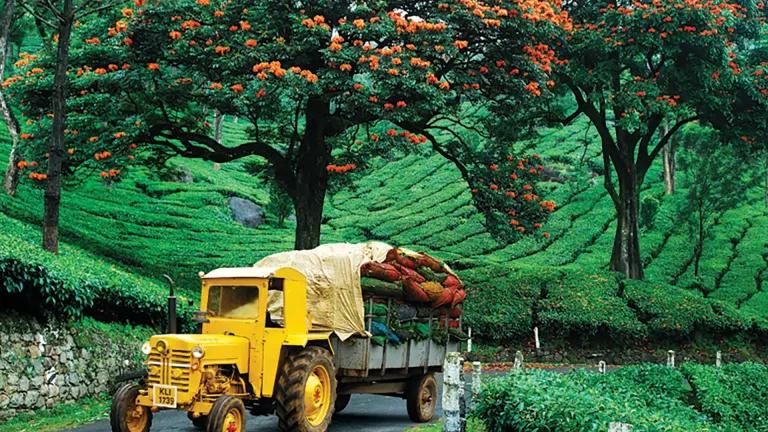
x: 7, y: 17
x: 325, y: 86
x: 64, y: 14
x: 633, y: 66
x: 715, y: 179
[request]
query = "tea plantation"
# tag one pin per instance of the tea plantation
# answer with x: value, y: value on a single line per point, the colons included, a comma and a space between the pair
x: 177, y: 221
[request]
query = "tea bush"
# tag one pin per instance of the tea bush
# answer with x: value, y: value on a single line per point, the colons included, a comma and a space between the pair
x: 648, y: 397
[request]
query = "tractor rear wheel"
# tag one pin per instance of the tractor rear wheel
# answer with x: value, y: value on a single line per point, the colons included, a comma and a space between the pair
x: 422, y: 398
x: 125, y: 415
x: 306, y: 391
x: 227, y: 415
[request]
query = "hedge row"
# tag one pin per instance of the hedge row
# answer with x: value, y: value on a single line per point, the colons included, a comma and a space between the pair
x: 584, y: 401
x: 74, y: 283
x: 650, y: 397
x: 504, y: 304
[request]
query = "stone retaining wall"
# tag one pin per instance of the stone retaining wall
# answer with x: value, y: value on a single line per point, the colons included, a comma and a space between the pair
x: 42, y: 365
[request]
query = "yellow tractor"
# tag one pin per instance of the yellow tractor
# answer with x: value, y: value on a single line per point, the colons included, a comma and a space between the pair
x: 244, y: 360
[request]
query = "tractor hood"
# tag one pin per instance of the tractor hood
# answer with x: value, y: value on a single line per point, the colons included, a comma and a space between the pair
x: 217, y: 349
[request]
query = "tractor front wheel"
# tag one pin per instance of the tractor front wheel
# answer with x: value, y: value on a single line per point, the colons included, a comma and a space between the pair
x: 200, y: 422
x: 227, y: 415
x: 306, y: 391
x: 125, y: 415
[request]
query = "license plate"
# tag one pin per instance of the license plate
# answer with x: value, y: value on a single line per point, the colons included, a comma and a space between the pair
x: 164, y: 396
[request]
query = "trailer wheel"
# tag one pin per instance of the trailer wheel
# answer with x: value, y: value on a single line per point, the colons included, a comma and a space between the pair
x: 227, y: 415
x: 422, y: 398
x: 125, y: 415
x: 341, y: 402
x: 306, y: 391
x: 199, y: 422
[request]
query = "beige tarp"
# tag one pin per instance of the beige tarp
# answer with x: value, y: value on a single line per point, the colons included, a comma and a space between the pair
x: 334, y: 294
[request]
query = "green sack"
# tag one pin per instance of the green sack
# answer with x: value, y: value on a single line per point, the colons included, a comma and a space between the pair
x: 381, y: 288
x: 430, y: 275
x: 378, y: 309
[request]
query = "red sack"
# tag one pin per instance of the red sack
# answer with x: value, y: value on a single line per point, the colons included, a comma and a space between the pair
x: 452, y: 282
x: 397, y: 256
x: 446, y: 298
x: 456, y: 311
x: 381, y: 271
x: 413, y: 291
x: 458, y: 297
x: 430, y: 262
x: 411, y: 273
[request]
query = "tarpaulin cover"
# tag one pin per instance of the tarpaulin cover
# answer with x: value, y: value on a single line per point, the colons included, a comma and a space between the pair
x: 334, y: 294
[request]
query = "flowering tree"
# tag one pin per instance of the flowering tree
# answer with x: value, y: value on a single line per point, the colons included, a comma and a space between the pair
x: 635, y: 66
x: 324, y: 86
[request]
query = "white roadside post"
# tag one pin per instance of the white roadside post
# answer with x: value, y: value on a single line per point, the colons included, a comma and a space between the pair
x: 518, y: 360
x: 477, y: 370
x: 536, y: 338
x: 453, y: 393
x: 469, y: 340
x: 619, y: 427
x: 718, y: 359
x: 601, y: 367
x: 671, y: 358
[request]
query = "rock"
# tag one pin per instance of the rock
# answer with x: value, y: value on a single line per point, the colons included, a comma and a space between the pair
x: 180, y: 175
x: 4, y: 401
x: 553, y: 175
x: 248, y: 213
x: 291, y: 218
x: 23, y: 384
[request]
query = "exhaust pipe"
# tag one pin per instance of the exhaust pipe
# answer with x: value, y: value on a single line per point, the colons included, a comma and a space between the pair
x: 172, y: 321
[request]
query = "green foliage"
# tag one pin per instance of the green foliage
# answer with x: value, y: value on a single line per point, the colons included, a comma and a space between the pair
x: 499, y: 305
x: 649, y: 207
x: 648, y: 397
x: 74, y: 282
x: 734, y: 396
x: 584, y: 306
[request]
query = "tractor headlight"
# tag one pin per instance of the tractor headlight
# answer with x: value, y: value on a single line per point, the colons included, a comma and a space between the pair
x: 198, y: 352
x: 161, y: 346
x: 146, y: 348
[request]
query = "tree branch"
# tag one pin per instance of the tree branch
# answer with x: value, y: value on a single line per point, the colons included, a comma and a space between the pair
x: 645, y: 160
x: 38, y: 17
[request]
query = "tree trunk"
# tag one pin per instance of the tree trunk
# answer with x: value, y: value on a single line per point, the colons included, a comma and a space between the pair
x: 11, y: 179
x: 311, y: 176
x: 56, y: 151
x: 218, y: 122
x: 765, y: 192
x: 699, y: 248
x: 625, y: 257
x: 670, y: 166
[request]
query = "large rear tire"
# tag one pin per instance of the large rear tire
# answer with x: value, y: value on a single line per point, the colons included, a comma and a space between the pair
x: 341, y: 402
x: 227, y: 415
x: 422, y: 398
x: 306, y: 391
x: 125, y: 415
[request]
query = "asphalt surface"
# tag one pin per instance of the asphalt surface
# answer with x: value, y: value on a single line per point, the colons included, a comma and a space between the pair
x: 364, y: 413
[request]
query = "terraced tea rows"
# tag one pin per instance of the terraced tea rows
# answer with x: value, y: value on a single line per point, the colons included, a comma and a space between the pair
x: 166, y: 226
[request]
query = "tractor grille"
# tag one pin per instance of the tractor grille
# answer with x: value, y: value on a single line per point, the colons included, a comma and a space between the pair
x: 173, y: 369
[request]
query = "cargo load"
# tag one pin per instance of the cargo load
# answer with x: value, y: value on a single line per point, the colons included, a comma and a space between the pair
x: 393, y: 294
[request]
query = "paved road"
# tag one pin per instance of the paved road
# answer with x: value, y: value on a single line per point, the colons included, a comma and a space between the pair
x: 364, y: 413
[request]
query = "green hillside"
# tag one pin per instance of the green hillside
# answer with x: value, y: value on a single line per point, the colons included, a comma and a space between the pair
x: 152, y: 224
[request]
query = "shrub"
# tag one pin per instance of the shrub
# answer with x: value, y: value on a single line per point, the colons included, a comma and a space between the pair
x: 74, y: 283
x: 736, y: 395
x: 584, y: 306
x: 583, y: 401
x: 499, y: 305
x: 668, y: 311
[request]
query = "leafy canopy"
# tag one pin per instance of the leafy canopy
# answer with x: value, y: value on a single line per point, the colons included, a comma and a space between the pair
x: 375, y: 77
